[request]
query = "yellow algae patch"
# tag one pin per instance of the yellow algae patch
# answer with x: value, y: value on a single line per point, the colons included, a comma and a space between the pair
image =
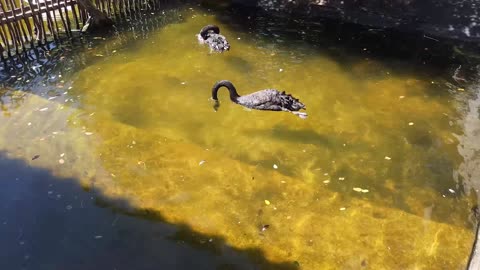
x: 40, y: 132
x: 226, y: 197
x: 147, y: 132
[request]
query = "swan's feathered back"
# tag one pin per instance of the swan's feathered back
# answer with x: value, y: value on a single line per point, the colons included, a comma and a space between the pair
x: 210, y: 35
x: 271, y: 99
x: 217, y: 42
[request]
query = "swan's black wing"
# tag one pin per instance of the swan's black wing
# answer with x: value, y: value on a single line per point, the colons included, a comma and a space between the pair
x: 268, y: 99
x: 217, y: 42
x: 272, y: 100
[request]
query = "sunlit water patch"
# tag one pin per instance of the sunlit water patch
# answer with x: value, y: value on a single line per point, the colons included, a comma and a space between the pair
x: 367, y: 180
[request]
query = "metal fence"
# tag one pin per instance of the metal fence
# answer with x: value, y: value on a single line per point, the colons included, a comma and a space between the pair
x: 28, y: 23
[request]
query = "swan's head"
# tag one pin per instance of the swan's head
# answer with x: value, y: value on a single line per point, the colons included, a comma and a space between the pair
x: 216, y: 105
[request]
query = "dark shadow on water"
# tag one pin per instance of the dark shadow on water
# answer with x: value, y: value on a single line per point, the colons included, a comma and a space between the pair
x: 52, y: 223
x: 304, y: 136
x: 405, y: 51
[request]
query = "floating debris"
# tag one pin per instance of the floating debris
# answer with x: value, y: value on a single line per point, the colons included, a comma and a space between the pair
x: 460, y: 89
x: 201, y: 162
x: 275, y: 166
x: 410, y: 124
x: 43, y: 109
x: 357, y: 189
x: 451, y: 190
x: 88, y: 133
x: 62, y: 154
x: 326, y: 181
x: 265, y: 227
x: 343, y: 208
x: 388, y: 158
x: 35, y: 157
x: 341, y: 178
x: 280, y: 70
x: 267, y: 202
x: 61, y: 161
x: 400, y: 97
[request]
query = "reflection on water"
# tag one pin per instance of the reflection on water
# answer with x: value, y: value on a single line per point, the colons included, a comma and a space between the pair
x: 366, y: 181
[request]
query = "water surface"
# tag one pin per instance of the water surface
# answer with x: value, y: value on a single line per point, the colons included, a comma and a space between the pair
x: 370, y: 179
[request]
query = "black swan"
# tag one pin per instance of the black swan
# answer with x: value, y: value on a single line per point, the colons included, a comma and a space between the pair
x: 268, y: 99
x: 210, y: 35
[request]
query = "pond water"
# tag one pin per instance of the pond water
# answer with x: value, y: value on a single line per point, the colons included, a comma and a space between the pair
x: 376, y: 177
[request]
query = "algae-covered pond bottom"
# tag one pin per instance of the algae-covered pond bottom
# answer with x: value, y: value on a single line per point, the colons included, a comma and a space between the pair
x: 113, y: 157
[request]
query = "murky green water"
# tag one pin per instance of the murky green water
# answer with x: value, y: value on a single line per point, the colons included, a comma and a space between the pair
x: 369, y: 180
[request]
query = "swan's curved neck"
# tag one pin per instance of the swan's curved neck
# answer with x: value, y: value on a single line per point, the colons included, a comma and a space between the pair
x: 206, y: 29
x: 233, y: 92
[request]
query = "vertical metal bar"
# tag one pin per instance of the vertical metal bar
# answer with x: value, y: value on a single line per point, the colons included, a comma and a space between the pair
x: 27, y: 21
x: 49, y: 20
x: 69, y: 25
x: 54, y: 15
x: 11, y: 31
x: 74, y: 11
x: 5, y: 40
x: 18, y: 24
x: 15, y: 24
x: 38, y: 22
